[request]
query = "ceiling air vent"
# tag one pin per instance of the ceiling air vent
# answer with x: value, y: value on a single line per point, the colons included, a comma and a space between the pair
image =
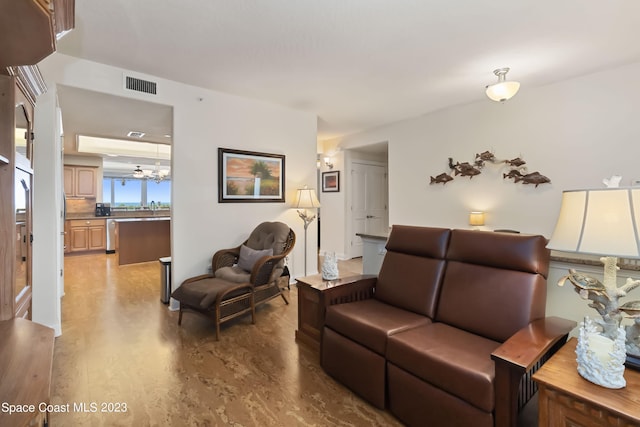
x: 139, y: 85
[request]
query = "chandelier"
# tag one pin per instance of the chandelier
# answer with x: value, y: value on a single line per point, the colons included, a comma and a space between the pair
x: 158, y: 175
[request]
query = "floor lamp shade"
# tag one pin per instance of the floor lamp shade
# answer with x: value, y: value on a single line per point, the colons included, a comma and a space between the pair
x: 599, y: 222
x: 306, y: 199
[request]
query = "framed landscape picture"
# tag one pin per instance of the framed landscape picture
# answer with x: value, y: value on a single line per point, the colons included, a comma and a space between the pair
x: 247, y: 176
x: 331, y: 182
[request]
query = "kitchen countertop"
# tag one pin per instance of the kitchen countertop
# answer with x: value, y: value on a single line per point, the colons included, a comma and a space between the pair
x: 120, y: 216
x: 372, y: 236
x: 149, y: 218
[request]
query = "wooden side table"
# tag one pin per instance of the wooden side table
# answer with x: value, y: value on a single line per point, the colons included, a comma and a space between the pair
x: 26, y: 360
x: 567, y: 399
x: 311, y: 306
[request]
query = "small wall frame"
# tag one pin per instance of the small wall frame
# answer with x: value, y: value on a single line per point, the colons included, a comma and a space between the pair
x: 331, y: 182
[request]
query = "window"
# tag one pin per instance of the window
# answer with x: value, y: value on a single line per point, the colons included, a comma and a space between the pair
x: 159, y: 192
x: 132, y: 193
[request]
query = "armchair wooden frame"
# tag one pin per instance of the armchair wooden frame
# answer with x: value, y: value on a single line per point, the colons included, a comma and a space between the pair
x: 234, y: 301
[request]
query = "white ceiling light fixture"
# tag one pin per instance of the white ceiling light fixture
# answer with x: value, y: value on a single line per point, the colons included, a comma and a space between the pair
x: 138, y: 173
x: 504, y: 89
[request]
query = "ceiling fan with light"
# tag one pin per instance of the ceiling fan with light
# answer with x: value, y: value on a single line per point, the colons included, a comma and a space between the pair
x: 158, y: 175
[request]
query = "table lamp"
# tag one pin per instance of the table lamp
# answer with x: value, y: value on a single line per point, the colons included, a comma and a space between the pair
x: 476, y: 218
x: 306, y: 199
x: 603, y: 222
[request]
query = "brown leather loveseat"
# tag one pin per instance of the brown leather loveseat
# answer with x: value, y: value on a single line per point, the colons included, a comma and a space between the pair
x: 450, y: 330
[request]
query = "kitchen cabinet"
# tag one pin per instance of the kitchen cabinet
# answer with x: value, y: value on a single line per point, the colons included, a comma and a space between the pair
x: 28, y: 29
x: 67, y: 241
x: 86, y: 235
x: 16, y: 177
x: 80, y: 181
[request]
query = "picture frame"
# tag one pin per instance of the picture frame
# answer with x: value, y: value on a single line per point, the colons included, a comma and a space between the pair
x: 250, y: 177
x: 331, y: 182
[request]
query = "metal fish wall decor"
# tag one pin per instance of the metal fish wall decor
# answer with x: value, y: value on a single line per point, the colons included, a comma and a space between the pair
x: 517, y: 170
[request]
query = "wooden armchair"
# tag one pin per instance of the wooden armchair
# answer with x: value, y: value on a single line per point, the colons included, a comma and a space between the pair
x: 242, y: 277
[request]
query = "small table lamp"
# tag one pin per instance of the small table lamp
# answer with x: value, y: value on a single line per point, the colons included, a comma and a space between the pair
x: 476, y: 218
x: 604, y: 222
x: 306, y: 199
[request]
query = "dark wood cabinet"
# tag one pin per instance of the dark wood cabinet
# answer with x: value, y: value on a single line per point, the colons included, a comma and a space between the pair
x: 16, y: 178
x: 28, y: 29
x: 567, y: 399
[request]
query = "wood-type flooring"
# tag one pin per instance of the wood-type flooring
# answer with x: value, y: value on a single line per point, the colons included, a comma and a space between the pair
x: 122, y: 350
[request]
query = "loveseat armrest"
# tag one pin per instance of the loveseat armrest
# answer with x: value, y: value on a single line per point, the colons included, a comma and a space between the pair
x: 518, y: 357
x: 355, y: 289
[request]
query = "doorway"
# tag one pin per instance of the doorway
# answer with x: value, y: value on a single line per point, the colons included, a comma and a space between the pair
x: 369, y: 202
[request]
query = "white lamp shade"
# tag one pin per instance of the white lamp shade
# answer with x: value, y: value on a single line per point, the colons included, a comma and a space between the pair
x: 599, y: 222
x: 306, y: 199
x: 502, y: 91
x: 476, y: 218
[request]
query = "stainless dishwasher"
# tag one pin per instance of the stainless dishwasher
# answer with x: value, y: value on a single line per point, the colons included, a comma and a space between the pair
x: 111, y: 236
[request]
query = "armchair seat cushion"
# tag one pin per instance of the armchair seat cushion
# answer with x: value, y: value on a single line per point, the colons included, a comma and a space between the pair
x: 233, y: 274
x: 449, y: 358
x: 369, y: 322
x: 203, y: 293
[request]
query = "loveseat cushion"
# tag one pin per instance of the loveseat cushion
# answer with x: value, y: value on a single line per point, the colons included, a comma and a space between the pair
x: 519, y: 252
x: 451, y: 359
x: 491, y: 302
x: 370, y: 322
x: 413, y: 267
x: 494, y: 283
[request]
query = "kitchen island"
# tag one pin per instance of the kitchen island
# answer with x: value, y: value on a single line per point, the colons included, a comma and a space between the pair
x: 373, y: 251
x: 143, y: 239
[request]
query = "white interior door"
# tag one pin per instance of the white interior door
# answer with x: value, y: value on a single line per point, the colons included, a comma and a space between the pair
x: 369, y: 214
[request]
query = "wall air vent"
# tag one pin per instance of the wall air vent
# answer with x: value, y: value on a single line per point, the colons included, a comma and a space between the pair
x: 140, y: 85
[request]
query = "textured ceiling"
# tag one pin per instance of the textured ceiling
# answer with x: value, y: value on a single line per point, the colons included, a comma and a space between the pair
x: 357, y: 64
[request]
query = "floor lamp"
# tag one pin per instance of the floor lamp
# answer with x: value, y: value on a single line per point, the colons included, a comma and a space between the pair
x: 306, y: 199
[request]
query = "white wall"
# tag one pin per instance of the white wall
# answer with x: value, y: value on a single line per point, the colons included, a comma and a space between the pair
x: 576, y: 132
x: 203, y: 121
x: 47, y: 214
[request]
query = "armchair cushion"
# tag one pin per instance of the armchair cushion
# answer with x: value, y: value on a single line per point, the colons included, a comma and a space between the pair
x: 248, y: 257
x: 203, y: 293
x: 233, y: 274
x: 270, y: 235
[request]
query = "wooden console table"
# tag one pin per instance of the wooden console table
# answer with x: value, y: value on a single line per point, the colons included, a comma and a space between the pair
x: 26, y: 360
x: 311, y: 306
x: 567, y: 399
